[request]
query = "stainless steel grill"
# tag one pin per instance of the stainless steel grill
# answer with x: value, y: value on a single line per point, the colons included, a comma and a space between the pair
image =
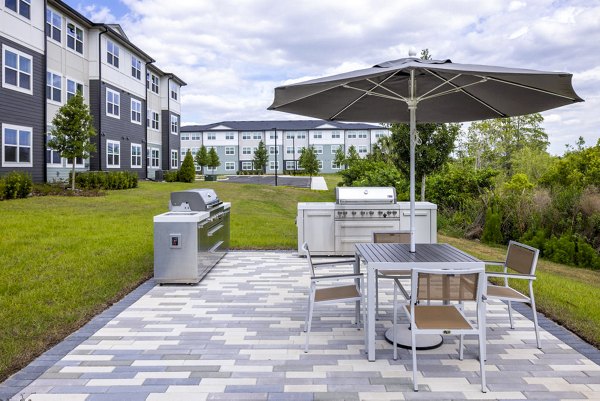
x: 192, y: 237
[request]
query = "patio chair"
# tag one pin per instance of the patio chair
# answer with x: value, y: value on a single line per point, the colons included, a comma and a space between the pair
x: 332, y: 294
x: 391, y: 237
x: 427, y: 316
x: 521, y: 259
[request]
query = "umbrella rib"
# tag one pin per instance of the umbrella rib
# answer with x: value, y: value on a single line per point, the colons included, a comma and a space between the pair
x: 462, y: 89
x: 369, y: 92
x: 531, y: 88
x: 366, y: 92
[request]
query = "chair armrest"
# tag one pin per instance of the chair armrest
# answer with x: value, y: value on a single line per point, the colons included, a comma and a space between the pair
x: 493, y: 263
x: 333, y: 263
x: 508, y: 275
x: 336, y: 277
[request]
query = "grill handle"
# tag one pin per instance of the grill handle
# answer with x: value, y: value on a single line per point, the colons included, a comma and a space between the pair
x: 213, y: 230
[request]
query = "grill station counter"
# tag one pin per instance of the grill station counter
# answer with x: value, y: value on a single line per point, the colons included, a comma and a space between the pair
x: 333, y: 228
x: 192, y: 237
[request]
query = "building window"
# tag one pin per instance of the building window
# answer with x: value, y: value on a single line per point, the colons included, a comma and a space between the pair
x: 72, y: 88
x: 289, y: 150
x: 271, y: 150
x: 319, y: 150
x: 21, y: 7
x: 136, y: 111
x: 246, y: 151
x: 152, y: 82
x: 16, y: 67
x: 289, y: 135
x: 113, y: 103
x: 272, y: 165
x: 229, y: 166
x: 78, y: 162
x: 155, y: 158
x: 75, y: 40
x: 112, y: 53
x: 174, y: 91
x: 257, y: 135
x: 53, y: 87
x: 299, y: 149
x: 153, y: 120
x: 246, y: 136
x: 301, y: 135
x: 185, y: 136
x: 174, y: 124
x: 317, y: 135
x: 334, y: 149
x: 16, y: 146
x: 334, y: 165
x: 229, y: 136
x: 174, y: 159
x: 211, y: 137
x: 247, y: 166
x: 196, y: 136
x: 320, y: 163
x: 335, y: 135
x: 290, y: 165
x: 229, y: 150
x: 53, y: 25
x: 136, y: 68
x: 351, y: 136
x: 136, y: 155
x: 362, y: 150
x: 52, y: 156
x: 113, y: 154
x: 362, y: 135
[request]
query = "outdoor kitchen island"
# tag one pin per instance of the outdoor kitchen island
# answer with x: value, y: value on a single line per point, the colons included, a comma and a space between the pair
x: 333, y: 228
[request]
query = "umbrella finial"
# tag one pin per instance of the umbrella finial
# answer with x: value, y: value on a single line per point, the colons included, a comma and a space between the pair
x: 412, y: 52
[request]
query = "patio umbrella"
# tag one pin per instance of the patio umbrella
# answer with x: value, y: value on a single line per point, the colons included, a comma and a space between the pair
x: 437, y: 90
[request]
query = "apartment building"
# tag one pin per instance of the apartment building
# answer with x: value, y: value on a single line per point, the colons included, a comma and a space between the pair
x: 236, y: 142
x: 49, y: 52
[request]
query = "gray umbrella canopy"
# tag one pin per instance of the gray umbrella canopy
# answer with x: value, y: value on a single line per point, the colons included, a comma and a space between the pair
x: 434, y: 90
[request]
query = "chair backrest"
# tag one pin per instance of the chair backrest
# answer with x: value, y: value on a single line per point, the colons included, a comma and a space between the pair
x: 447, y: 285
x: 521, y: 258
x: 392, y: 237
x: 309, y: 259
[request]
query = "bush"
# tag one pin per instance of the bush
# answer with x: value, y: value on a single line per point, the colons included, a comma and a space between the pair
x: 187, y: 172
x: 568, y: 249
x: 106, y: 180
x: 15, y: 185
x: 171, y: 175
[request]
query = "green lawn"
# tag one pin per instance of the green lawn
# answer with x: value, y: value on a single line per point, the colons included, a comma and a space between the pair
x: 65, y: 259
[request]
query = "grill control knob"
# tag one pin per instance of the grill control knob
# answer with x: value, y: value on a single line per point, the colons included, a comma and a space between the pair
x: 353, y: 213
x: 362, y: 212
x: 394, y: 212
x: 371, y: 212
x: 345, y: 213
x: 380, y: 212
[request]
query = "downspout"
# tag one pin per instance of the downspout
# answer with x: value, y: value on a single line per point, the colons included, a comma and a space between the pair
x: 45, y: 108
x: 146, y: 100
x: 100, y: 98
x: 169, y: 122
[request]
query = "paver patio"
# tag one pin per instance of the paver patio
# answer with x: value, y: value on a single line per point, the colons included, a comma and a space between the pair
x: 238, y: 336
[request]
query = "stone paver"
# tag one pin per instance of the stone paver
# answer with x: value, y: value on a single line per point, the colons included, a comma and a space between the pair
x: 238, y: 336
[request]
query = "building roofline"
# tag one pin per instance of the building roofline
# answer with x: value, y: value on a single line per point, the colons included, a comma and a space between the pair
x: 285, y: 125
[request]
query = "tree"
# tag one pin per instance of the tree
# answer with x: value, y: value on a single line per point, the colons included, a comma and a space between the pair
x: 213, y: 159
x: 435, y: 143
x: 340, y: 157
x: 261, y: 157
x: 72, y: 132
x: 352, y: 156
x: 308, y: 161
x: 202, y: 158
x: 187, y: 171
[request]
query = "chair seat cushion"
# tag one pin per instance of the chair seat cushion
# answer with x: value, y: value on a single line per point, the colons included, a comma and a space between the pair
x: 501, y: 292
x: 333, y: 293
x: 439, y: 317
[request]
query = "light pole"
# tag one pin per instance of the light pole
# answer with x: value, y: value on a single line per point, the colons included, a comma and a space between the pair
x: 275, y: 130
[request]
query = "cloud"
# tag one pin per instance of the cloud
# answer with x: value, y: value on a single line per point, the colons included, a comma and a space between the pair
x: 233, y: 53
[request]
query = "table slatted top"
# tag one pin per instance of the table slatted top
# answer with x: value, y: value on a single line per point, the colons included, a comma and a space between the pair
x: 428, y: 254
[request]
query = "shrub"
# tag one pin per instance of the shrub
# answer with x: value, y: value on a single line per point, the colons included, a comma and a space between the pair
x: 170, y: 175
x: 492, y: 234
x: 16, y: 185
x: 187, y: 172
x: 106, y: 180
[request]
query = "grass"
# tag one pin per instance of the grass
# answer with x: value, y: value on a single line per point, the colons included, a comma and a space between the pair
x: 65, y: 259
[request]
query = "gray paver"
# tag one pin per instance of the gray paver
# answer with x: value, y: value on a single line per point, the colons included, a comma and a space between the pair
x: 238, y: 335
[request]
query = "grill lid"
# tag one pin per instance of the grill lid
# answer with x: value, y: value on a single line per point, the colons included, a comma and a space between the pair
x: 197, y: 200
x: 370, y: 195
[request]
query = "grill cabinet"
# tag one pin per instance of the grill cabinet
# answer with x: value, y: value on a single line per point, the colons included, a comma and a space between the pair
x: 192, y: 237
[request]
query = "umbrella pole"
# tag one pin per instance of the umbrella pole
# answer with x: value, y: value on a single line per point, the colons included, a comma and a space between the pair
x: 412, y: 107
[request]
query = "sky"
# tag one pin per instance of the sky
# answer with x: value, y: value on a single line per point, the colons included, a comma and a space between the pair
x: 233, y: 53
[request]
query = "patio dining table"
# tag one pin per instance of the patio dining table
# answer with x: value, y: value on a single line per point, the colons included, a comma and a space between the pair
x: 381, y: 257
